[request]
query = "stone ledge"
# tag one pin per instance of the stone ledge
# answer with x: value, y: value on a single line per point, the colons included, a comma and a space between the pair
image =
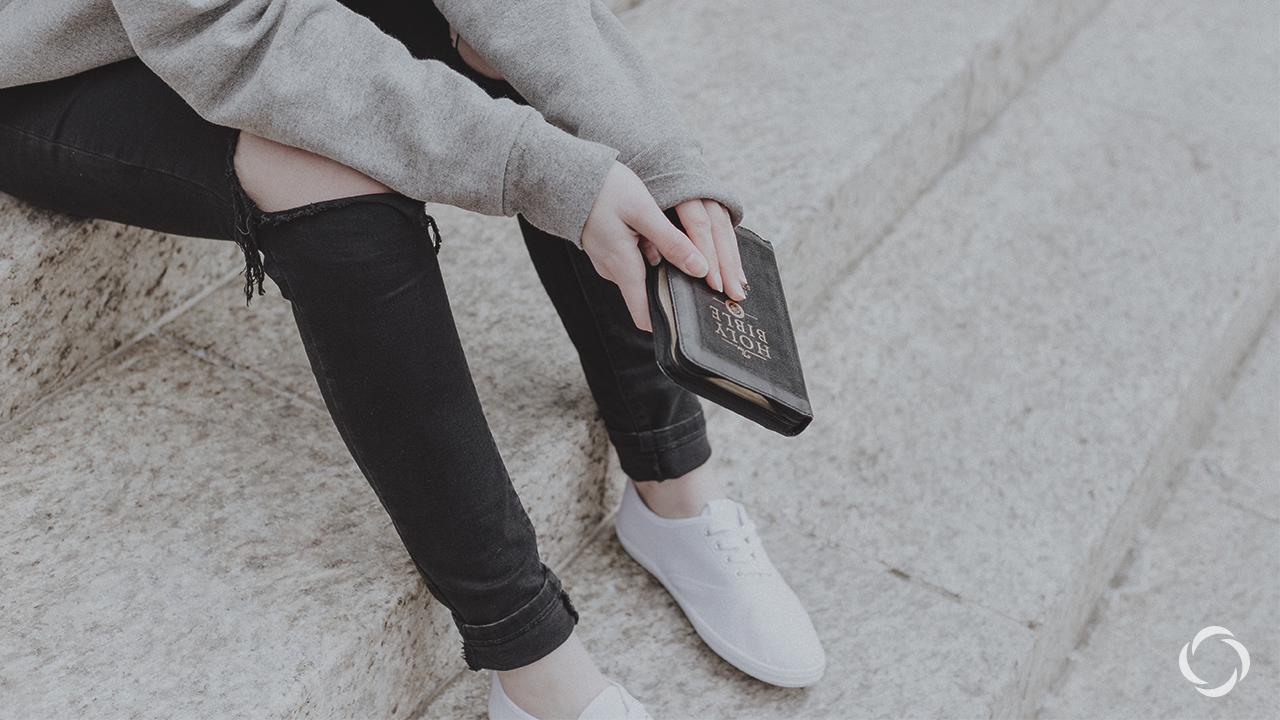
x: 73, y: 290
x: 1212, y: 557
x: 176, y: 536
x: 831, y: 118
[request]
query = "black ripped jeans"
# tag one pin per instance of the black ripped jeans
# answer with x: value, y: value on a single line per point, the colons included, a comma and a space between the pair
x: 361, y: 273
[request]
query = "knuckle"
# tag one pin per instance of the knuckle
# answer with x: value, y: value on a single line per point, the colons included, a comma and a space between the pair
x: 698, y: 223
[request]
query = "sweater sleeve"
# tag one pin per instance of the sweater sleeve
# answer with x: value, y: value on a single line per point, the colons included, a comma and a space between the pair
x: 315, y: 75
x: 575, y: 63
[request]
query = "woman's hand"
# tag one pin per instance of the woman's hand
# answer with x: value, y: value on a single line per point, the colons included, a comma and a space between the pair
x: 707, y: 223
x: 623, y: 217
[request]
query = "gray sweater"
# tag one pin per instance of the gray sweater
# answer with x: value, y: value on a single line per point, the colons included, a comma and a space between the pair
x: 315, y: 75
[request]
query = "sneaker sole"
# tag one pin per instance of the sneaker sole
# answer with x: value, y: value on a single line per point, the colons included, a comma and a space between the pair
x: 722, y: 647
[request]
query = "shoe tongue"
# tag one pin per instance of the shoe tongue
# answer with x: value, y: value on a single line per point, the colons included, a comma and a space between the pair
x: 723, y: 512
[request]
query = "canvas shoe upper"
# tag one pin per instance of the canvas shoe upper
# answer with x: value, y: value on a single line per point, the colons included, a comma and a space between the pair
x: 716, y: 569
x: 615, y: 703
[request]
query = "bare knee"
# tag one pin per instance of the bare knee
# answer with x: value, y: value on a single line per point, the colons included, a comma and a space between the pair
x: 471, y: 57
x: 278, y: 177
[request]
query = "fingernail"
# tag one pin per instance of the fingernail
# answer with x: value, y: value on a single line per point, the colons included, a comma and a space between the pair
x: 716, y: 283
x: 696, y: 265
x: 654, y: 260
x: 742, y: 278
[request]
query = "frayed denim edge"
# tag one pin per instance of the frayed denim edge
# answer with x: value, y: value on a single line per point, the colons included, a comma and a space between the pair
x: 248, y: 217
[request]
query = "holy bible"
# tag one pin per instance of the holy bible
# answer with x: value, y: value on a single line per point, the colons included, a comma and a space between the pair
x: 741, y: 355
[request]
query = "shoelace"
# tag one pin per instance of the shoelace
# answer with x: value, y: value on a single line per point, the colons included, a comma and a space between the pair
x: 740, y: 546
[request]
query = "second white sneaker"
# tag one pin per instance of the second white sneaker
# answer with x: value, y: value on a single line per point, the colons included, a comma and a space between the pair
x: 715, y: 568
x: 615, y: 703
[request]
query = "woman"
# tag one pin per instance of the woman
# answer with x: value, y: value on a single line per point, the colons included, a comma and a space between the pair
x: 310, y: 132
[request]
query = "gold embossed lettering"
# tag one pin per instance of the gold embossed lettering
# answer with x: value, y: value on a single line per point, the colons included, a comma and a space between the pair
x: 747, y: 339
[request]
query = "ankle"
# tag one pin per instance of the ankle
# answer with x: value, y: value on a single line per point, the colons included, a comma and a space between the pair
x: 559, y: 685
x: 681, y: 497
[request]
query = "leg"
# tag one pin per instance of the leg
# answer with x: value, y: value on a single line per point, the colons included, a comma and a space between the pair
x: 116, y: 143
x: 656, y: 426
x: 752, y: 618
x: 674, y: 519
x: 371, y: 307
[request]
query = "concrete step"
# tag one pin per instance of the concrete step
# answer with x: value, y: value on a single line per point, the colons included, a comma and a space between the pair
x: 1211, y: 559
x: 74, y: 290
x: 831, y: 118
x: 1005, y: 387
x: 211, y: 534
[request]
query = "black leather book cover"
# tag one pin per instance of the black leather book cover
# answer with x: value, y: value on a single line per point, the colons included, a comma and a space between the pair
x: 741, y: 355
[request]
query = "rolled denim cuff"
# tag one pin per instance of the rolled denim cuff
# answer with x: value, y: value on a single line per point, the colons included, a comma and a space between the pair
x: 664, y: 453
x: 525, y: 636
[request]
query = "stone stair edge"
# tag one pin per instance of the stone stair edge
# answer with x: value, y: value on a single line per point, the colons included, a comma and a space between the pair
x: 57, y: 326
x: 1146, y: 497
x: 868, y: 204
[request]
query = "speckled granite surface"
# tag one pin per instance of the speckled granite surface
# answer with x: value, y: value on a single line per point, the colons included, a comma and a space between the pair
x: 180, y: 542
x: 1002, y: 386
x: 1005, y: 384
x: 830, y: 118
x: 1213, y: 558
x: 1018, y: 345
x: 73, y: 290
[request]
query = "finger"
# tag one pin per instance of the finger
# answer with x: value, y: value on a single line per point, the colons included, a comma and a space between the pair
x: 726, y: 242
x: 629, y: 275
x: 650, y: 252
x: 697, y: 225
x: 670, y: 242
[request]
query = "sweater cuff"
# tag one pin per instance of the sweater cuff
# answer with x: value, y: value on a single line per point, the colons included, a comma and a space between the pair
x: 552, y: 178
x: 675, y: 172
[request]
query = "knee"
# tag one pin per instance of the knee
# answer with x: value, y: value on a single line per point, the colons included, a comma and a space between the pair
x: 471, y: 57
x: 278, y: 177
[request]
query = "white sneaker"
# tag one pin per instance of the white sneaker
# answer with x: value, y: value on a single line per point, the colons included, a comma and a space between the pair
x: 612, y: 704
x: 716, y: 569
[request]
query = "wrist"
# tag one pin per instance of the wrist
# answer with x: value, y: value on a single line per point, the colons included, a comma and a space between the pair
x: 553, y: 178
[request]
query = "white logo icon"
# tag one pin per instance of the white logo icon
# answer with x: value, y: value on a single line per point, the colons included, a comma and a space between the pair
x: 1224, y: 688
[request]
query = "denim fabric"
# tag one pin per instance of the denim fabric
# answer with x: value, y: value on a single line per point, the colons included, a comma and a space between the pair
x: 364, y: 282
x: 656, y: 427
